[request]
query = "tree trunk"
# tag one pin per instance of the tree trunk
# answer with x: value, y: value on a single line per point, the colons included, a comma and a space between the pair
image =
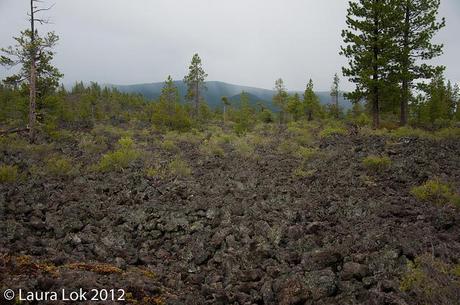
x: 405, y: 69
x: 33, y: 77
x: 375, y: 85
x: 404, y: 102
x: 337, y: 105
x: 197, y: 99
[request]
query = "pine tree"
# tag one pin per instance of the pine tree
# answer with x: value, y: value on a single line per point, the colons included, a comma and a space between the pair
x: 280, y: 98
x: 335, y: 93
x: 195, y: 83
x: 311, y: 102
x: 370, y: 48
x: 169, y: 95
x: 295, y: 106
x: 226, y: 103
x: 456, y: 102
x: 35, y: 54
x: 416, y: 27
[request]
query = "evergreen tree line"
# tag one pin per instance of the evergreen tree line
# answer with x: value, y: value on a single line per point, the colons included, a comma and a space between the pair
x: 389, y: 44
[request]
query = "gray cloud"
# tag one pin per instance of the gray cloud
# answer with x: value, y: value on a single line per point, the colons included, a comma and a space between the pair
x: 250, y: 42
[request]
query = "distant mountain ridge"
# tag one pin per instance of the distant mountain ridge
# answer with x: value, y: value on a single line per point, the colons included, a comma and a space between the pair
x: 215, y: 90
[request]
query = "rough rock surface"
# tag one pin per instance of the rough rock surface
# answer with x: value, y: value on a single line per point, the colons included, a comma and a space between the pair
x: 238, y: 231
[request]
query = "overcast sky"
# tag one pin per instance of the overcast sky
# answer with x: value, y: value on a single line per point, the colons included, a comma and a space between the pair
x: 247, y: 42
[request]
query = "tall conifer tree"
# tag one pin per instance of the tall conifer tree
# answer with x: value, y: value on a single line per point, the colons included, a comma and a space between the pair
x: 369, y: 46
x: 415, y: 28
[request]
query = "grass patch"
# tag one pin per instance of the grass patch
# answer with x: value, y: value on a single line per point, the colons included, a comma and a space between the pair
x: 59, y: 166
x: 179, y: 167
x: 299, y: 172
x: 376, y: 163
x: 8, y: 173
x: 300, y: 134
x: 109, y: 131
x: 92, y: 144
x: 169, y: 145
x: 288, y: 147
x: 212, y: 148
x: 243, y: 148
x: 436, y: 192
x: 152, y: 172
x: 331, y: 131
x: 120, y: 158
x: 306, y: 153
x: 193, y: 137
x: 429, y: 280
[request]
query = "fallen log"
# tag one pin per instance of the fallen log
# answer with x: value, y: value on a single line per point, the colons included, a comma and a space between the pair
x: 14, y: 130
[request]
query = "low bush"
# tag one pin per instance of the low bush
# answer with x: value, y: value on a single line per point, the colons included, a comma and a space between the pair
x: 299, y: 172
x: 169, y: 145
x: 403, y: 132
x: 376, y: 163
x: 59, y: 166
x: 243, y: 148
x: 8, y: 173
x: 92, y: 145
x: 212, y: 148
x: 179, y: 167
x: 306, y: 153
x: 436, y: 192
x: 152, y: 172
x: 448, y: 133
x: 121, y: 158
x: 288, y: 147
x: 429, y: 280
x: 331, y: 131
x: 300, y: 133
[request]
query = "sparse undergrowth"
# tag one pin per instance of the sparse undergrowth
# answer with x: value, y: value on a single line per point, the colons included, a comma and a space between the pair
x: 436, y: 192
x: 179, y: 167
x: 120, y: 158
x: 429, y: 280
x: 376, y: 163
x: 8, y: 173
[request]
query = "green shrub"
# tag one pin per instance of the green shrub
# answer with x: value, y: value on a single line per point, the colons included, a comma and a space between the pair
x: 299, y: 172
x: 306, y: 153
x: 448, y: 133
x: 410, y: 132
x: 169, y: 145
x: 288, y: 147
x: 300, y: 133
x: 436, y: 192
x: 332, y: 131
x: 152, y: 172
x: 212, y: 148
x: 362, y: 120
x: 179, y: 167
x: 243, y: 148
x: 109, y: 131
x: 8, y: 173
x: 92, y: 145
x: 121, y: 158
x: 193, y: 137
x: 376, y: 163
x: 125, y: 143
x: 429, y: 280
x: 59, y: 166
x: 117, y: 160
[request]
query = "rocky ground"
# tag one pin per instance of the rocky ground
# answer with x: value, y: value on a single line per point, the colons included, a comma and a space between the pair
x: 238, y: 230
